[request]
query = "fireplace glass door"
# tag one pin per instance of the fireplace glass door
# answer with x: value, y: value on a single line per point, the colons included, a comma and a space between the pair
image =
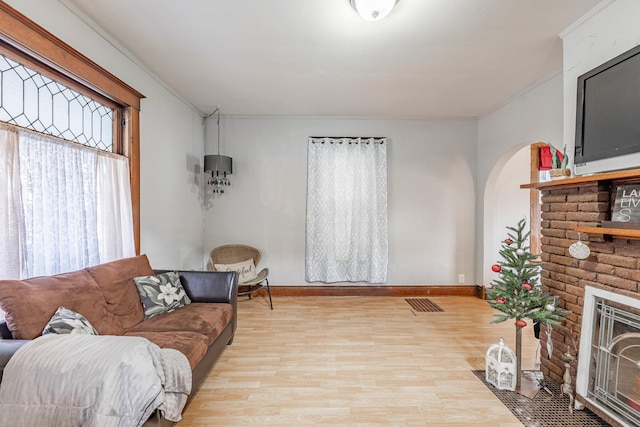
x: 614, y: 372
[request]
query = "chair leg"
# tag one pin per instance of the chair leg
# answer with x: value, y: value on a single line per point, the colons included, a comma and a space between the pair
x: 269, y: 292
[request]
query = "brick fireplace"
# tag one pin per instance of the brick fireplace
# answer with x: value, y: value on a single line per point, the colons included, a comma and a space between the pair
x: 580, y: 205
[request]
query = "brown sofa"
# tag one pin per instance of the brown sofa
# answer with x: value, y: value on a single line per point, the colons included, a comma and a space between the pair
x: 107, y: 296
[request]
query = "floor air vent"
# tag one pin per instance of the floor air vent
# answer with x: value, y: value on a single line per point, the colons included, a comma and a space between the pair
x: 544, y: 409
x: 423, y: 305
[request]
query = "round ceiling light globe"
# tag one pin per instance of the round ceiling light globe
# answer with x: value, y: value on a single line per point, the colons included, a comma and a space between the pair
x: 373, y: 10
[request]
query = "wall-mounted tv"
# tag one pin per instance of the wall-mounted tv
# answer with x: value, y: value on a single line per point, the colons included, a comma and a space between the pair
x: 608, y: 116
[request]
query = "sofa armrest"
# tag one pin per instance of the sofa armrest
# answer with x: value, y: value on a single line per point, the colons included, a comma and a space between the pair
x: 4, y: 331
x: 7, y: 350
x: 211, y: 286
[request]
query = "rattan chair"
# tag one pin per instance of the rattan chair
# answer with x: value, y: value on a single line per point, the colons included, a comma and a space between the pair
x: 231, y: 254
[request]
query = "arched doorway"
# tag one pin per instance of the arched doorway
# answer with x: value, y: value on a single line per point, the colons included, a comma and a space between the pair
x: 505, y: 203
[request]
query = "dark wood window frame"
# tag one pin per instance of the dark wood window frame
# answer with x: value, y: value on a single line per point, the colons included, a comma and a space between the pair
x: 535, y: 207
x: 29, y: 43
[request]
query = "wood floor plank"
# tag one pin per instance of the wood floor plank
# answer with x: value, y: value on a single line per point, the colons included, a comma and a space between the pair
x: 356, y: 361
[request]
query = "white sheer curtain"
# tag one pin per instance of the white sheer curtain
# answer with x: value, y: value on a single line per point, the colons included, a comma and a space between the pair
x: 10, y: 207
x: 72, y: 206
x: 115, y: 220
x: 58, y: 200
x: 347, y: 211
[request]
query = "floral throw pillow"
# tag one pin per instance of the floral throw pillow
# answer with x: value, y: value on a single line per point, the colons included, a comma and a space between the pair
x: 66, y: 321
x: 246, y: 270
x: 161, y: 293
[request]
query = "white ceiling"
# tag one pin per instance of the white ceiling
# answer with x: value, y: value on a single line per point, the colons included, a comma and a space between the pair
x: 427, y: 59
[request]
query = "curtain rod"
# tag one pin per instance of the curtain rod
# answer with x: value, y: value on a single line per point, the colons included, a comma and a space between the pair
x: 347, y: 137
x: 351, y: 140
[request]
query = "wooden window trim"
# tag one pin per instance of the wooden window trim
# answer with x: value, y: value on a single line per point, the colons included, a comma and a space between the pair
x: 22, y: 35
x: 534, y: 201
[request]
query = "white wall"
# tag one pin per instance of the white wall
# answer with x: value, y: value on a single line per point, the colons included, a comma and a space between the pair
x: 600, y: 36
x: 531, y: 117
x: 543, y: 114
x: 440, y: 225
x: 431, y: 194
x: 171, y: 144
x: 510, y: 203
x: 431, y: 177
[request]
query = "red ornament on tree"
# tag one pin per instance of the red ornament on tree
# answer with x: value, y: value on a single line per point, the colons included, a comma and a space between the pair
x: 527, y: 286
x: 521, y: 323
x: 500, y: 300
x: 496, y: 268
x: 508, y: 241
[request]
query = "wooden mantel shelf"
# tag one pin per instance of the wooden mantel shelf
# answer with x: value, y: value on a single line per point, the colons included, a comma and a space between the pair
x: 630, y: 175
x: 626, y: 176
x: 628, y: 233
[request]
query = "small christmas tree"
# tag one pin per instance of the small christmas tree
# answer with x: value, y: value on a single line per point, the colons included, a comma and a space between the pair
x: 516, y: 294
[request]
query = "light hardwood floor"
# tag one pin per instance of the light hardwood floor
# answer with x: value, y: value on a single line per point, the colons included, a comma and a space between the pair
x: 356, y: 361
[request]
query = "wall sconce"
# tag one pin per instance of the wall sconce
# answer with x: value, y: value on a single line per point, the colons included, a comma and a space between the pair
x: 217, y: 165
x: 373, y: 10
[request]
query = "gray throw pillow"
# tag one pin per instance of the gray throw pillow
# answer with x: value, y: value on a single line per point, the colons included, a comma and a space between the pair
x: 66, y: 321
x: 161, y: 293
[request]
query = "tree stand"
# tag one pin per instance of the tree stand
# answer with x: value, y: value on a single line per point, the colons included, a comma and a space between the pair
x: 518, y: 358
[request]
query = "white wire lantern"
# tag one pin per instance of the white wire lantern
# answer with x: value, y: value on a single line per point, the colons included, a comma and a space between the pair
x: 501, y: 365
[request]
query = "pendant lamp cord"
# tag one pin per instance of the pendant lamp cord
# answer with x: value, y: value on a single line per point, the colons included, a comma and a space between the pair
x: 217, y: 110
x: 218, y: 130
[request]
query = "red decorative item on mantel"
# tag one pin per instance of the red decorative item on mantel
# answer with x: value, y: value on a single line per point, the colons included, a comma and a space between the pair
x: 545, y: 158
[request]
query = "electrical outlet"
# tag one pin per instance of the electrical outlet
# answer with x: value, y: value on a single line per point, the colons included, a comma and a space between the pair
x: 460, y: 278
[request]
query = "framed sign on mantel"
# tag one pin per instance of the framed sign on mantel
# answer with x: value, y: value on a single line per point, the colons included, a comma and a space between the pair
x: 625, y: 212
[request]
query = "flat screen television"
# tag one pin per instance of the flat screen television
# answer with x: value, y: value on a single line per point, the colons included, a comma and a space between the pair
x: 608, y: 116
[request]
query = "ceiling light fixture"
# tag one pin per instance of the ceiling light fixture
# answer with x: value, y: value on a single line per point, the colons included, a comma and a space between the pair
x: 373, y: 10
x: 217, y: 165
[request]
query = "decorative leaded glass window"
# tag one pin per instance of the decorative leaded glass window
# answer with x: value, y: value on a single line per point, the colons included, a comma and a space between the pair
x: 51, y: 76
x: 35, y: 101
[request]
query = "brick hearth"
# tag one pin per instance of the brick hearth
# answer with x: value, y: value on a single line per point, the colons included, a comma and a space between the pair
x: 612, y: 265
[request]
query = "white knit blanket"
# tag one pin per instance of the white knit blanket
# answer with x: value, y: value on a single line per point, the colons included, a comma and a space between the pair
x: 87, y: 380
